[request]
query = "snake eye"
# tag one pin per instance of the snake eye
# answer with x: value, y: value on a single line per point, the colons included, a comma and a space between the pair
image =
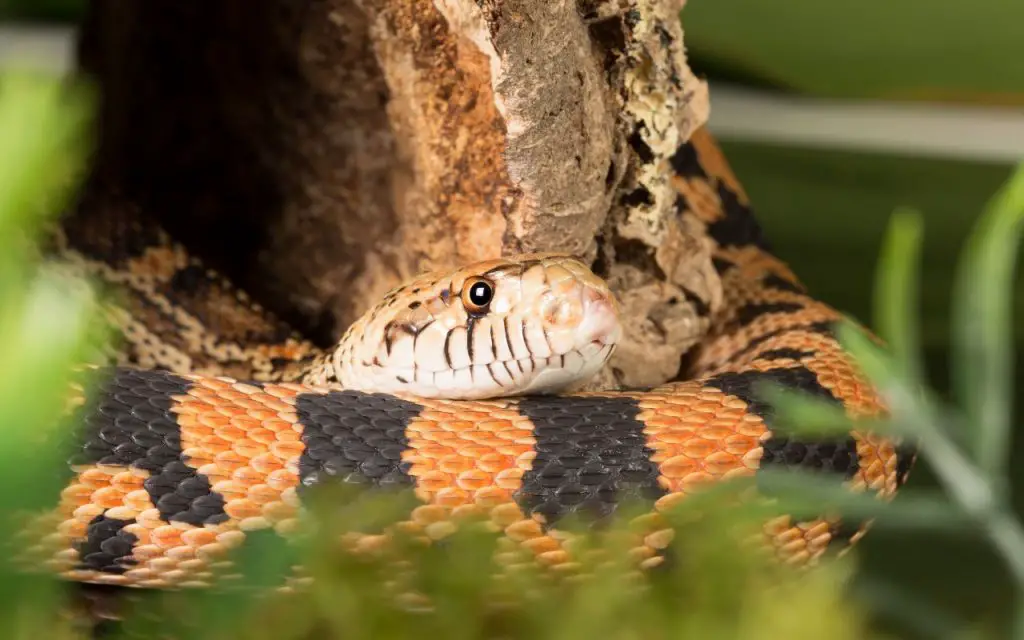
x: 477, y: 294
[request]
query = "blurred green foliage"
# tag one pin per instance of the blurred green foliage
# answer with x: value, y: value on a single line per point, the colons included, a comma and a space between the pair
x: 912, y: 49
x: 47, y: 324
x: 968, y: 443
x: 714, y: 588
x: 826, y: 212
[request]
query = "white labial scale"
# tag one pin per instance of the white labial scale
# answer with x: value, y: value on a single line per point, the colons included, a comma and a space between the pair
x: 402, y: 355
x: 458, y: 348
x: 482, y: 376
x: 501, y: 343
x: 537, y: 341
x: 527, y: 365
x: 384, y: 382
x: 515, y: 334
x: 444, y: 380
x: 501, y: 374
x: 368, y: 379
x: 426, y: 377
x: 405, y: 374
x: 464, y: 378
x: 483, y: 347
x: 428, y: 349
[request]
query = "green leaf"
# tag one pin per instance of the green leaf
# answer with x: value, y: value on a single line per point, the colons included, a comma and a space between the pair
x: 42, y: 126
x: 802, y: 413
x: 42, y: 341
x: 982, y: 331
x: 808, y: 494
x: 896, y: 291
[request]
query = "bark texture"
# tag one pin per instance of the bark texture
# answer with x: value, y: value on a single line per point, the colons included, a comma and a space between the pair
x: 318, y: 151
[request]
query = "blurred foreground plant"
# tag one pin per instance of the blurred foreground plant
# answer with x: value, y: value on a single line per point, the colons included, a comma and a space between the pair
x: 967, y: 443
x: 714, y: 585
x: 48, y: 323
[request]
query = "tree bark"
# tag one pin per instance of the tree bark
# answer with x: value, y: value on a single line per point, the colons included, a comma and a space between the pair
x: 319, y: 151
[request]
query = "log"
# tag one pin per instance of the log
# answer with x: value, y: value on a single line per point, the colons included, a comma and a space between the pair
x: 319, y: 151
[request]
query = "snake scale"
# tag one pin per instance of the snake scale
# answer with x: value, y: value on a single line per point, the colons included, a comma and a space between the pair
x: 194, y: 439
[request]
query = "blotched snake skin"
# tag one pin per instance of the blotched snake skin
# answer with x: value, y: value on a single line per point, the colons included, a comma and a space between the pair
x: 176, y: 464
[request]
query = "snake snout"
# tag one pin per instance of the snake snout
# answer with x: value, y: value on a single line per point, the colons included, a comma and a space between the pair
x: 600, y: 318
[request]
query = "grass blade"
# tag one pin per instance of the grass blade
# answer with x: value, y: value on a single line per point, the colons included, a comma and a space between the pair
x: 896, y: 291
x: 808, y: 494
x: 804, y: 414
x: 982, y: 330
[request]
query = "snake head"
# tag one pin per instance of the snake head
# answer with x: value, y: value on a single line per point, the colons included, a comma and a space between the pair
x: 532, y: 324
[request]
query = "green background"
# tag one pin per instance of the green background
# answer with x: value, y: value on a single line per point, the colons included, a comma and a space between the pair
x: 969, y: 51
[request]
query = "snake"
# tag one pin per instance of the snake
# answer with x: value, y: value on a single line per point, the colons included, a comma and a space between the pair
x: 465, y: 385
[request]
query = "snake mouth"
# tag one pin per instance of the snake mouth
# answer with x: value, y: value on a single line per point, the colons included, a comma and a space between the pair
x: 562, y: 373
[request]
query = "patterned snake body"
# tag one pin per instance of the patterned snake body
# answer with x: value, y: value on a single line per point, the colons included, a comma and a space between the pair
x: 177, y: 464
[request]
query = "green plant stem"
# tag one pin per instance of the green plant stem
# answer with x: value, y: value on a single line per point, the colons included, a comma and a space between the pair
x: 1007, y: 536
x: 980, y: 495
x: 983, y: 328
x: 897, y: 292
x: 962, y: 479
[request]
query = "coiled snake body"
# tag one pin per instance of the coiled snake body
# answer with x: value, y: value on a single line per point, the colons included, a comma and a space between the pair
x: 176, y: 466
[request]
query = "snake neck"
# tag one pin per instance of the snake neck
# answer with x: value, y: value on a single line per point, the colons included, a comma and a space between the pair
x: 318, y: 372
x: 173, y: 312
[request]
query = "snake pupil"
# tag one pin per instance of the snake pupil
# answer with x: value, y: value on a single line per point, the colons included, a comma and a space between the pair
x: 477, y: 295
x: 480, y: 294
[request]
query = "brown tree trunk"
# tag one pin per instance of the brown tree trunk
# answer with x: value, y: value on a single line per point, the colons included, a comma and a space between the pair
x: 317, y: 151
